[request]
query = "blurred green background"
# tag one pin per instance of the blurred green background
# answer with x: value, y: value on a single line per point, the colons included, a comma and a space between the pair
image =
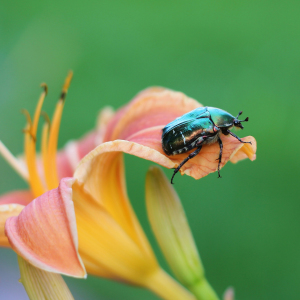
x: 236, y: 55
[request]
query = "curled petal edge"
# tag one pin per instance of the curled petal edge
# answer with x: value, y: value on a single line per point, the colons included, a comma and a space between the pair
x: 193, y: 168
x: 45, y: 232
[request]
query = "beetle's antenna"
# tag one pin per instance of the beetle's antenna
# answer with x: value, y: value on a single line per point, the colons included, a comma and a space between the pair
x: 246, y: 120
x: 239, y: 114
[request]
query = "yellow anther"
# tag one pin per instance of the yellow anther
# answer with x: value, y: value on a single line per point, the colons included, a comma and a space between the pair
x: 45, y: 87
x: 28, y: 128
x: 25, y: 112
x: 66, y: 86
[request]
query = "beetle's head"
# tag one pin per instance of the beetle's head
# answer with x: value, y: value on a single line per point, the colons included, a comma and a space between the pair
x: 237, y: 122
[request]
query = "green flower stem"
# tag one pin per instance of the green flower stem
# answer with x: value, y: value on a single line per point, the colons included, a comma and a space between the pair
x: 167, y: 288
x: 203, y: 291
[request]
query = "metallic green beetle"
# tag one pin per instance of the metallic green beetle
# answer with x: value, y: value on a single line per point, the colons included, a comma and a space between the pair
x: 196, y: 128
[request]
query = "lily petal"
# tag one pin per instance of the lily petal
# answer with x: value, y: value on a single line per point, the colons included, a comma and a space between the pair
x: 45, y: 232
x: 22, y: 197
x: 105, y: 182
x: 105, y: 247
x: 152, y: 107
x: 7, y: 211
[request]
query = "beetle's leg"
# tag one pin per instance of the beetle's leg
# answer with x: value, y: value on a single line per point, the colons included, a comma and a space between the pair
x: 220, y: 155
x: 238, y: 137
x: 193, y: 154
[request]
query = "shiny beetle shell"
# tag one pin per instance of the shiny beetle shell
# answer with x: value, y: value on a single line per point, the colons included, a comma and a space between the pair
x: 196, y: 128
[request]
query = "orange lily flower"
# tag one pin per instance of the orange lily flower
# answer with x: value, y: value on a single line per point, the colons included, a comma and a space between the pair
x: 111, y: 242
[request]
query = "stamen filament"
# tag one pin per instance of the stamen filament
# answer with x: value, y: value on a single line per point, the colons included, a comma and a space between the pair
x: 14, y: 162
x: 38, y: 109
x: 35, y: 182
x: 50, y: 159
x: 44, y: 149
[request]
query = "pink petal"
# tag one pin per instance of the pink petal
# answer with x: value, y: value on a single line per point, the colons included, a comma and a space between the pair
x: 122, y: 111
x: 45, y: 232
x: 152, y: 107
x: 22, y: 197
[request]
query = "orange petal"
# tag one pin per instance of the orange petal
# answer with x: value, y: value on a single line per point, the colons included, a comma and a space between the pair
x: 205, y: 162
x: 248, y: 151
x: 122, y: 111
x: 106, y: 183
x: 106, y: 248
x: 22, y: 197
x: 45, y: 232
x: 7, y: 211
x: 150, y: 108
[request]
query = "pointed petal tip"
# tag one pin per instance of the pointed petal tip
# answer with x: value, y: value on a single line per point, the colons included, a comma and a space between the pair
x: 155, y: 171
x: 45, y: 232
x: 245, y: 150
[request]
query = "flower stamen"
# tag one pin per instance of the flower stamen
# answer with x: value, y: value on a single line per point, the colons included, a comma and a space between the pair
x: 50, y: 154
x: 44, y: 141
x: 26, y: 113
x: 35, y: 182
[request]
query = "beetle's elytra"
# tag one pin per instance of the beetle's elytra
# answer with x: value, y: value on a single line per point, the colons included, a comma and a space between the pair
x: 196, y: 128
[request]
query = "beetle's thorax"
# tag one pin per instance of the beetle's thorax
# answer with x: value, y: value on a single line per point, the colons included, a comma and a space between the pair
x: 220, y: 117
